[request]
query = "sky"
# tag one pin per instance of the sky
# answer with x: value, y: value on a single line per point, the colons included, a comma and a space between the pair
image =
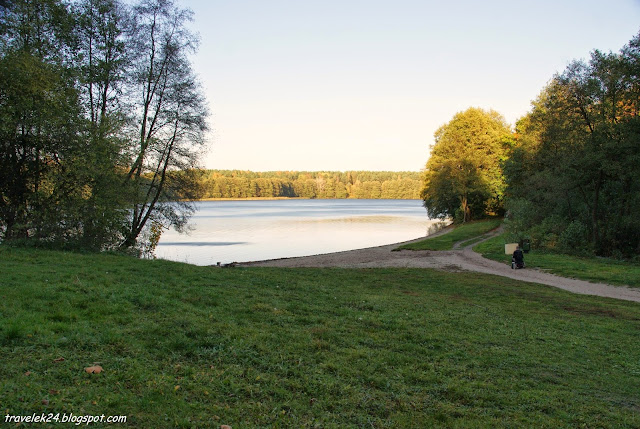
x: 364, y: 84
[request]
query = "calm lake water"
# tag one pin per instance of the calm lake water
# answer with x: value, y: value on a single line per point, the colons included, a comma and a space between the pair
x: 241, y: 231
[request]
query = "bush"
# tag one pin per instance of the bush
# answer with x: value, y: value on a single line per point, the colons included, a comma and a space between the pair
x: 518, y: 219
x: 575, y: 238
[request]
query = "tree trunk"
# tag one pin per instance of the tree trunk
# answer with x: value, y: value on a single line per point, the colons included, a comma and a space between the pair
x: 464, y: 205
x: 595, y: 212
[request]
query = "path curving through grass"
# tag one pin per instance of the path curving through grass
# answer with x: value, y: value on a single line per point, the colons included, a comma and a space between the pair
x: 462, y: 259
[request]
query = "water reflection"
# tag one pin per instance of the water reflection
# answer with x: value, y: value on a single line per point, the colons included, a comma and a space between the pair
x: 239, y: 231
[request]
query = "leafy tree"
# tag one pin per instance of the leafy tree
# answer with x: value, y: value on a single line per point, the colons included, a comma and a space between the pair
x: 340, y: 190
x: 463, y: 177
x: 101, y: 27
x: 169, y: 116
x: 40, y: 123
x: 577, y: 158
x: 101, y: 120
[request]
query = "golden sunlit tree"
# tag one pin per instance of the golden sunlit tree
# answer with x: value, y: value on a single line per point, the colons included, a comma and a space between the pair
x: 463, y: 177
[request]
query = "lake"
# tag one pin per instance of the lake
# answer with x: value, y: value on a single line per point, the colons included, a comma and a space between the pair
x: 241, y: 231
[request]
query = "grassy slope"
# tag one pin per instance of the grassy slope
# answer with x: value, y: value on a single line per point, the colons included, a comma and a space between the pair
x: 591, y: 269
x: 464, y: 232
x: 186, y: 346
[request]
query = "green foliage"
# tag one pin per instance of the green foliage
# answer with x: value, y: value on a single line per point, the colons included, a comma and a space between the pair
x: 184, y: 346
x: 459, y: 233
x: 98, y: 106
x: 170, y: 118
x: 575, y: 236
x: 40, y: 128
x: 577, y: 159
x: 463, y: 177
x: 304, y: 184
x: 526, y: 221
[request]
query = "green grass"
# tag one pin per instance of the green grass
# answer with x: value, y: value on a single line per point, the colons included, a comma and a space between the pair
x: 185, y: 346
x: 592, y: 269
x: 465, y: 232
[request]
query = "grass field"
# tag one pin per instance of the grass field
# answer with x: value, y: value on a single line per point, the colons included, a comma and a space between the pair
x: 466, y: 232
x: 603, y: 270
x: 186, y: 346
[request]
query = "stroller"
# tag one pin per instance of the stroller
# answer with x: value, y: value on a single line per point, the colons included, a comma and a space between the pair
x: 517, y: 260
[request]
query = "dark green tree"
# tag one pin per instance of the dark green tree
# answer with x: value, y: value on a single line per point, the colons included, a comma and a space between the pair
x: 573, y: 175
x: 40, y: 123
x: 101, y: 121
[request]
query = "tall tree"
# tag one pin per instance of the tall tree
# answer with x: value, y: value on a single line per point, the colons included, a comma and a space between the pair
x: 169, y: 118
x: 101, y: 120
x: 103, y: 64
x: 577, y: 158
x: 463, y: 177
x: 40, y: 121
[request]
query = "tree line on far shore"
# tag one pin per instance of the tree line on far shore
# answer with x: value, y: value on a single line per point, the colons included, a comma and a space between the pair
x: 305, y: 184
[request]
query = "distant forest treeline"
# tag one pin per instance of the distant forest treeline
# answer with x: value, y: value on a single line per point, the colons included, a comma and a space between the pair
x: 305, y: 184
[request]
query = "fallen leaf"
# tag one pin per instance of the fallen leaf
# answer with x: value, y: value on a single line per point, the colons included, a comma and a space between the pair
x: 176, y: 387
x: 45, y: 402
x: 54, y: 391
x: 60, y: 359
x: 97, y: 369
x: 225, y: 427
x: 28, y: 373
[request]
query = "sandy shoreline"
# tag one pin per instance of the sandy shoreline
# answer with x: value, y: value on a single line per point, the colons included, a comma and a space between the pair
x: 463, y: 259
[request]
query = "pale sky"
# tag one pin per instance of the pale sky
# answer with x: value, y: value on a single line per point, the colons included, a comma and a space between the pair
x: 363, y: 85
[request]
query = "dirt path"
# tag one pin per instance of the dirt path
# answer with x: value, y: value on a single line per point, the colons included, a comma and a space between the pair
x: 461, y: 259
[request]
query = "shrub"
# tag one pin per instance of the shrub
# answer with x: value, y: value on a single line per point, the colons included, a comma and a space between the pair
x: 575, y: 238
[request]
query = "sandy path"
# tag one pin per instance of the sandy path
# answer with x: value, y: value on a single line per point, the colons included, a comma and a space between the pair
x: 462, y: 259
